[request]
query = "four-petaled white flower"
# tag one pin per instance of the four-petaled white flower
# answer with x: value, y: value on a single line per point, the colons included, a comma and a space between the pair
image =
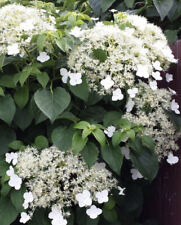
x: 129, y: 106
x: 110, y: 131
x: 157, y: 66
x: 153, y: 85
x: 24, y: 217
x: 156, y: 75
x: 135, y: 174
x: 172, y: 91
x: 76, y: 32
x: 28, y: 197
x: 93, y: 212
x: 43, y: 57
x: 107, y: 82
x: 126, y: 152
x: 84, y: 198
x: 132, y: 92
x: 175, y: 107
x: 121, y: 190
x: 56, y: 216
x: 13, y: 49
x: 12, y: 157
x: 65, y: 75
x: 15, y: 181
x: 172, y: 159
x: 117, y: 95
x: 169, y: 77
x: 102, y: 196
x: 142, y: 71
x: 75, y: 78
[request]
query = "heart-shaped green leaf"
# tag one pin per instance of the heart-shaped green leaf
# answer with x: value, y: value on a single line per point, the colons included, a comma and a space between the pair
x: 52, y: 104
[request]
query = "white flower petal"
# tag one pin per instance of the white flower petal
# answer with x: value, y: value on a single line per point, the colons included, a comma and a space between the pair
x: 153, y: 85
x: 110, y: 131
x: 172, y: 159
x: 117, y: 95
x: 135, y: 174
x: 169, y: 77
x: 102, y: 196
x: 175, y: 107
x: 126, y: 152
x: 107, y: 82
x: 13, y: 49
x: 24, y: 217
x: 157, y: 66
x: 156, y: 75
x: 121, y: 190
x: 93, y: 212
x: 84, y: 198
x: 129, y: 106
x: 43, y: 57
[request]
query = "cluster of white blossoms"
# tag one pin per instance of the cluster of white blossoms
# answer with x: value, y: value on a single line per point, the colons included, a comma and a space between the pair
x: 114, y: 57
x: 19, y: 24
x: 148, y: 110
x: 59, y: 180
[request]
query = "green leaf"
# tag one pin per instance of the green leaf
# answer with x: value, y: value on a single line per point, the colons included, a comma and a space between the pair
x: 7, y: 109
x: 17, y: 198
x: 16, y: 145
x: 2, y: 58
x: 41, y: 142
x: 146, y: 163
x: 129, y: 3
x: 99, y: 54
x: 136, y: 145
x: 43, y: 79
x: 6, y: 137
x: 113, y: 157
x: 176, y: 119
x: 118, y: 137
x: 81, y: 90
x: 110, y: 204
x: 62, y: 137
x: 7, y: 81
x: 171, y: 35
x: 131, y: 134
x: 100, y: 136
x: 69, y: 116
x: 25, y: 74
x: 27, y: 116
x: 78, y: 143
x: 41, y: 41
x: 52, y: 104
x: 1, y: 92
x: 93, y: 98
x: 90, y: 153
x: 124, y: 124
x: 110, y: 215
x: 4, y: 166
x: 106, y: 4
x: 5, y: 189
x: 148, y: 142
x: 21, y: 96
x: 163, y: 7
x: 8, y: 213
x: 112, y: 118
x: 82, y: 125
x: 86, y: 132
x: 96, y: 6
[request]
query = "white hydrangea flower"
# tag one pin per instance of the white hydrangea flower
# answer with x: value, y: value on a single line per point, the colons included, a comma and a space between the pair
x: 132, y: 92
x: 25, y: 205
x: 24, y: 217
x: 169, y: 77
x: 107, y: 82
x: 28, y: 197
x: 15, y: 181
x: 130, y: 104
x: 93, y: 212
x: 156, y: 75
x: 27, y: 25
x: 136, y: 174
x: 142, y: 71
x: 126, y: 152
x: 175, y: 106
x: 43, y: 57
x: 56, y: 216
x: 110, y: 131
x: 172, y: 159
x: 84, y: 198
x: 117, y: 95
x: 13, y: 49
x: 12, y: 157
x: 75, y: 78
x: 102, y: 196
x: 10, y: 172
x: 65, y: 75
x: 153, y: 85
x: 157, y: 66
x: 121, y: 190
x: 76, y: 32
